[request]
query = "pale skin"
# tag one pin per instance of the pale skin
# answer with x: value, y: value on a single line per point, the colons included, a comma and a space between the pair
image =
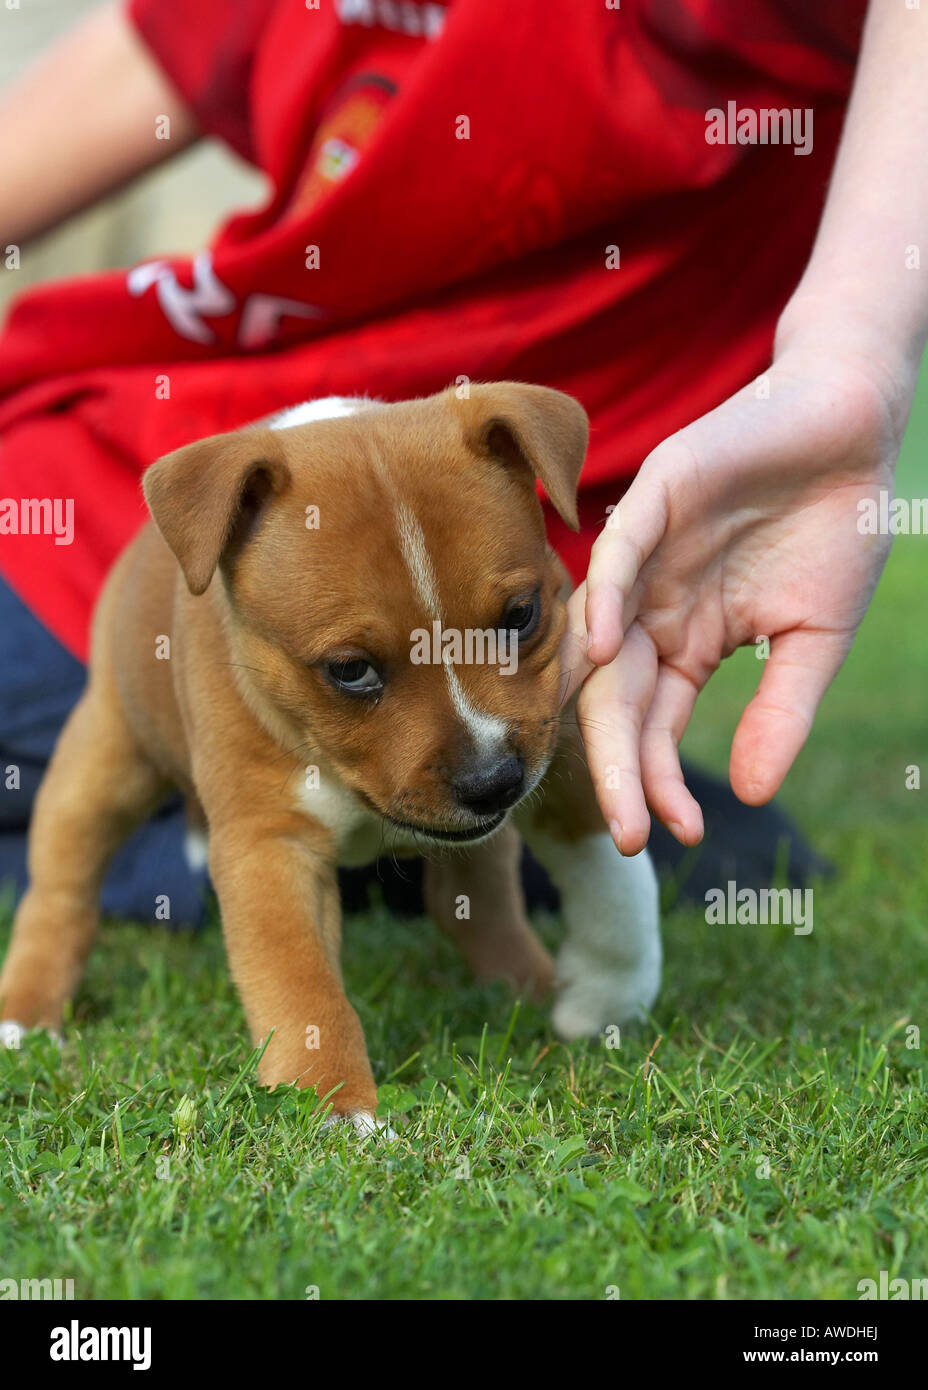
x: 742, y: 525
x: 80, y: 123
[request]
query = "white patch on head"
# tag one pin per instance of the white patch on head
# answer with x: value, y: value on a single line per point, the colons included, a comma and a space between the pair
x: 328, y: 408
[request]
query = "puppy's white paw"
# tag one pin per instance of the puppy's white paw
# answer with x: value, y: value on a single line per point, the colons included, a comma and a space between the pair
x: 365, y: 1124
x: 592, y: 997
x: 608, y: 970
x: 11, y: 1034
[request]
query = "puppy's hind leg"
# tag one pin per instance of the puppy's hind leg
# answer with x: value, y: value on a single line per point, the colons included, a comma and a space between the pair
x: 476, y: 898
x: 97, y: 789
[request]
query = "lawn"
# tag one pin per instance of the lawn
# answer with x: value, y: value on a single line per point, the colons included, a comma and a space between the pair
x: 764, y: 1136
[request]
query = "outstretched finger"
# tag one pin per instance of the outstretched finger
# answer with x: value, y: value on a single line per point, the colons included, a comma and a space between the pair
x: 777, y: 721
x: 662, y: 777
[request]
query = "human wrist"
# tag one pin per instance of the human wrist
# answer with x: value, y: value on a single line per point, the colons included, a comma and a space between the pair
x: 834, y: 330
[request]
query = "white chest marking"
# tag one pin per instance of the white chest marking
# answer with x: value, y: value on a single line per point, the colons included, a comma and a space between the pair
x: 360, y: 835
x: 196, y: 850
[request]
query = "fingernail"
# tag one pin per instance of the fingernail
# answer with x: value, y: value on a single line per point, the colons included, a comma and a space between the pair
x: 676, y: 829
x: 615, y: 830
x: 589, y: 641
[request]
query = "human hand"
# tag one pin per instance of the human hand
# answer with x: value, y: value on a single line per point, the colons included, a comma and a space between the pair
x: 741, y: 526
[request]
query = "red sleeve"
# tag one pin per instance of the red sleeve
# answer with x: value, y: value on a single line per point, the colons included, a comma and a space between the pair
x: 207, y: 48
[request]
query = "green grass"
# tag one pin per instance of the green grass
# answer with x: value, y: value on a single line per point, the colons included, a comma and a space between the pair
x: 526, y: 1168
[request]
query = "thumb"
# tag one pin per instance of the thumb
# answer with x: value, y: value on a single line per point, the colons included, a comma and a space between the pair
x: 635, y: 526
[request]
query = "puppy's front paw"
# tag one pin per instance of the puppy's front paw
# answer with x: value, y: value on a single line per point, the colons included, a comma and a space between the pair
x: 592, y: 997
x: 365, y: 1124
x: 11, y: 1034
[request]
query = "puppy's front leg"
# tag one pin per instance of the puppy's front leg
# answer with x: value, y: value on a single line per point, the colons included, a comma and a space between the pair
x: 278, y: 896
x: 609, y: 968
x: 476, y: 899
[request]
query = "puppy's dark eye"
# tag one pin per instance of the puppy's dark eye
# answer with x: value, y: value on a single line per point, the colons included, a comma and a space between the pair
x: 522, y: 616
x: 354, y: 676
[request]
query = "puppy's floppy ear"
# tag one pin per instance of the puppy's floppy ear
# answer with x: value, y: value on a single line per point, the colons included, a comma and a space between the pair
x: 536, y: 428
x: 206, y: 494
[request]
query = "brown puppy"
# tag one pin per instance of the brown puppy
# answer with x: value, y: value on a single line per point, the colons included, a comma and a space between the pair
x: 362, y: 619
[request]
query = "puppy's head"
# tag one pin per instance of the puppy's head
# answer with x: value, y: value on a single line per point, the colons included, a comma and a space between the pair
x: 390, y: 590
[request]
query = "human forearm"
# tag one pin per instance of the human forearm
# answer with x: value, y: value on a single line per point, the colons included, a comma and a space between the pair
x: 81, y: 122
x: 743, y: 527
x: 862, y: 285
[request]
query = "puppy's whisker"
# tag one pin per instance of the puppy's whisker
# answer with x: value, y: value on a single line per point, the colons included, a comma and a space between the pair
x: 289, y: 752
x: 566, y: 677
x: 596, y: 724
x: 240, y: 665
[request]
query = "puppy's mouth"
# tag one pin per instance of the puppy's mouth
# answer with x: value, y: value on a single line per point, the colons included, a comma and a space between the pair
x: 452, y: 837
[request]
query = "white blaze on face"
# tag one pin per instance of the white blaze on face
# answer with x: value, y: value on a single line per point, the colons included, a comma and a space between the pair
x: 487, y: 731
x: 418, y: 560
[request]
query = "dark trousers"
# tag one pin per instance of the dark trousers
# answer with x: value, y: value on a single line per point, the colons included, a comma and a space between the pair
x: 39, y: 684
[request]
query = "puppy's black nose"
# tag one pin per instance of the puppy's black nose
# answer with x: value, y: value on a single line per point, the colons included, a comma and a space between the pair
x: 492, y: 787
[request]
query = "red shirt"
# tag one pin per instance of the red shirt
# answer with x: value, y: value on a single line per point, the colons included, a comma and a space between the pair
x: 479, y: 189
